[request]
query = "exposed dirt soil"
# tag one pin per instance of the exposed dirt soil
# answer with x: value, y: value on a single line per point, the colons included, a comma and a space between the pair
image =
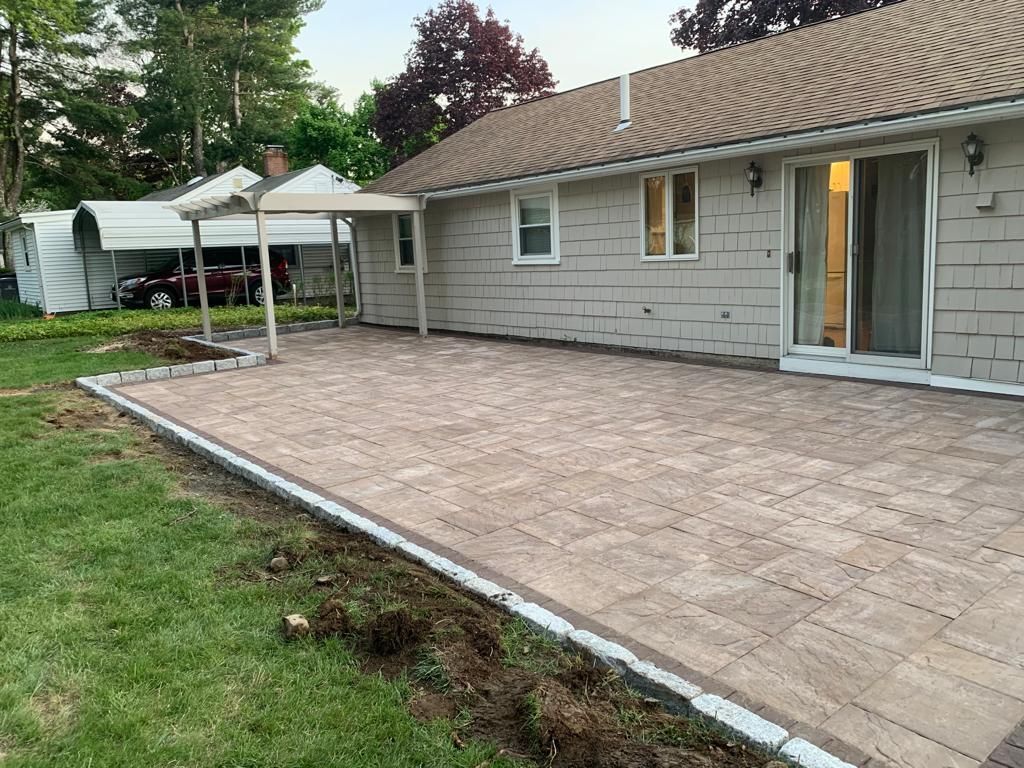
x: 167, y: 345
x: 466, y: 660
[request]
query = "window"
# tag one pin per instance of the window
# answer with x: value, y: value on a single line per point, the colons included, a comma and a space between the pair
x: 535, y: 227
x: 669, y: 202
x: 405, y: 252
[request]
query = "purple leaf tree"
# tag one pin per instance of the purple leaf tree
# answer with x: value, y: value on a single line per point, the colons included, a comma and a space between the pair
x: 712, y: 24
x: 461, y: 66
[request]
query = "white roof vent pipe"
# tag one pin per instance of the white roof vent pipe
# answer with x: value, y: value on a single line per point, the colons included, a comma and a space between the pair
x: 624, y: 121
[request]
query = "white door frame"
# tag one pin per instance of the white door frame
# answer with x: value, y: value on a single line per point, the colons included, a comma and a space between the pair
x: 842, y: 361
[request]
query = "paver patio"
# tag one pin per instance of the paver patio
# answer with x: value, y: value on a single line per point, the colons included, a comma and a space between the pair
x: 847, y: 553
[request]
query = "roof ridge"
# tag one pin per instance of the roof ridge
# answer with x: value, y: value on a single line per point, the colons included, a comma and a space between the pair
x: 701, y: 55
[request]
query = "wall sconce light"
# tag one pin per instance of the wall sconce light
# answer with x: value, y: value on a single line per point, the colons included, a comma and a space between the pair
x: 755, y: 176
x: 973, y: 148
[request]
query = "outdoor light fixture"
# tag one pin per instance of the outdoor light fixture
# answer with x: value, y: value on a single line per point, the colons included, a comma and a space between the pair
x: 755, y: 176
x: 973, y: 150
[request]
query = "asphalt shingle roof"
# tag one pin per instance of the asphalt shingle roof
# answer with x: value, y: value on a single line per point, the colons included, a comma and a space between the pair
x: 912, y: 57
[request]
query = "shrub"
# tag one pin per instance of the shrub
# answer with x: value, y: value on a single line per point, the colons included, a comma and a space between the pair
x: 15, y: 310
x: 113, y: 322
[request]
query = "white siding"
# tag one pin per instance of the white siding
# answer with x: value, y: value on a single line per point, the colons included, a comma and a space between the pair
x: 62, y: 268
x: 599, y: 292
x: 318, y: 179
x: 26, y: 265
x: 316, y: 277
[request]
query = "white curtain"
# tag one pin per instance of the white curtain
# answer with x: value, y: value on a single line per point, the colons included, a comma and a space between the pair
x: 811, y: 194
x: 898, y: 274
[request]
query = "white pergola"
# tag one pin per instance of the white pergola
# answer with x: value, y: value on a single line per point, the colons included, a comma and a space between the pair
x: 265, y: 203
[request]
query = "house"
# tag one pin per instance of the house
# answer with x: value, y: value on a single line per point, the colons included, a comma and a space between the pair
x: 66, y: 261
x: 844, y: 198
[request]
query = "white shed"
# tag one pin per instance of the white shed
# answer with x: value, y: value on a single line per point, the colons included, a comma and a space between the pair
x: 74, y: 256
x: 42, y: 252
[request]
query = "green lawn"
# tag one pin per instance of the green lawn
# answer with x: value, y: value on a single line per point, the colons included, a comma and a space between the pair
x: 113, y: 322
x: 47, y: 361
x: 128, y: 638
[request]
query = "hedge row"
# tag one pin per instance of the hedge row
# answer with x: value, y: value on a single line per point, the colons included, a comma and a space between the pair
x: 114, y: 322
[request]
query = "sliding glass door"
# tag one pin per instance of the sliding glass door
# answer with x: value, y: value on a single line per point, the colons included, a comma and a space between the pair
x: 888, y: 254
x: 818, y: 259
x: 857, y: 241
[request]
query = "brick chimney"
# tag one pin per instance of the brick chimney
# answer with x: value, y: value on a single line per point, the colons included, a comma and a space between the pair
x: 275, y: 160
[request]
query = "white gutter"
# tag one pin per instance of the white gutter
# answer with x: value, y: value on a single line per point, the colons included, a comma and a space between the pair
x: 1004, y: 110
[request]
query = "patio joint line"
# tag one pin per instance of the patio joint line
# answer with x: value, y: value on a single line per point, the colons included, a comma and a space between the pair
x: 675, y: 694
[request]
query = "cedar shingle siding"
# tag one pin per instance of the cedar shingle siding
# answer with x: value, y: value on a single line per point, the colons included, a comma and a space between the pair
x: 598, y: 292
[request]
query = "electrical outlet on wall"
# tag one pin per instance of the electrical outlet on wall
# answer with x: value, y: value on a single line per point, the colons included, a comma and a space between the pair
x: 725, y: 314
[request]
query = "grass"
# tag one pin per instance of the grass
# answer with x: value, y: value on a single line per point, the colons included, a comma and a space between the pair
x: 47, y: 361
x: 15, y: 310
x: 113, y: 322
x: 128, y: 638
x: 524, y: 648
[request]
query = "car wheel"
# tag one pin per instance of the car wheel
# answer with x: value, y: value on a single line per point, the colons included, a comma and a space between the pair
x: 256, y: 292
x: 160, y: 298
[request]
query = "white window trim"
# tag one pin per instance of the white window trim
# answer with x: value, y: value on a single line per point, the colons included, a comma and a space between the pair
x: 669, y: 174
x: 399, y: 267
x: 551, y: 192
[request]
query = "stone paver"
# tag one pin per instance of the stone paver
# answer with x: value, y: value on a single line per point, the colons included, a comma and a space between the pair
x: 850, y: 554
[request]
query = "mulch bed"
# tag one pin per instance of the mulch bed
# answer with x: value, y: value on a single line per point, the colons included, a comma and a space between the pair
x: 167, y: 345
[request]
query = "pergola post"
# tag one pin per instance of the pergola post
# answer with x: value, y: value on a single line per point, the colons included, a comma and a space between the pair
x: 339, y: 288
x: 204, y: 301
x: 117, y: 285
x: 184, y: 278
x: 353, y: 260
x: 268, y: 284
x: 419, y: 258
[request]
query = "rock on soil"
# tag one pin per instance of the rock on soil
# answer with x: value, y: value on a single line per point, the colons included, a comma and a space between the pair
x: 279, y: 564
x: 294, y: 625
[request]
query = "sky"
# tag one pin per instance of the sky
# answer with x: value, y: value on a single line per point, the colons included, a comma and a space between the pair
x: 350, y: 43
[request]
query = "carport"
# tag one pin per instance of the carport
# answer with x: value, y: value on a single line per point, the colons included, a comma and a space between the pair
x: 261, y: 201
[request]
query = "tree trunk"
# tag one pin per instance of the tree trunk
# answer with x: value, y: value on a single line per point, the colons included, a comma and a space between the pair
x: 198, y: 156
x: 4, y: 148
x: 198, y: 153
x: 12, y: 152
x: 17, y: 158
x: 236, y: 75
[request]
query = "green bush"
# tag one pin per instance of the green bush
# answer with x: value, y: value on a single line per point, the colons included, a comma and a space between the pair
x: 15, y: 310
x: 113, y: 322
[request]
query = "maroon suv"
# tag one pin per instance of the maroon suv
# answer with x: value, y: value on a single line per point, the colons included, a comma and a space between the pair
x: 232, y: 276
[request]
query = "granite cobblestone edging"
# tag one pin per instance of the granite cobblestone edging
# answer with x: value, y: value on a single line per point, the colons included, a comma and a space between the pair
x: 676, y: 694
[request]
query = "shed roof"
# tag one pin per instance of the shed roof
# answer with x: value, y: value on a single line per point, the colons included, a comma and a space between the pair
x: 911, y: 57
x: 142, y: 225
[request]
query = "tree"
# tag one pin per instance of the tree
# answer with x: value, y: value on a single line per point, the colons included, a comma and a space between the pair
x: 42, y: 49
x: 94, y: 153
x: 219, y: 77
x: 324, y: 132
x: 717, y: 23
x: 461, y: 66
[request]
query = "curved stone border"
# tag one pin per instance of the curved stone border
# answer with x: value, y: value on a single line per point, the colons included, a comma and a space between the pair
x: 678, y: 695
